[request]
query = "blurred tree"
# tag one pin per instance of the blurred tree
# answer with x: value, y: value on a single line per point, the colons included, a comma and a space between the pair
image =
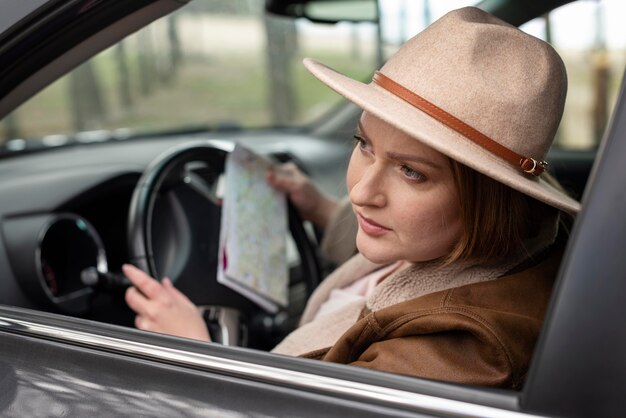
x: 175, y: 52
x: 282, y: 40
x: 86, y: 99
x: 601, y: 76
x: 147, y: 61
x: 123, y: 77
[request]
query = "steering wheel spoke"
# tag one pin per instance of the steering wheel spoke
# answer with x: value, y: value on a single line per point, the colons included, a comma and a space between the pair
x: 199, y: 185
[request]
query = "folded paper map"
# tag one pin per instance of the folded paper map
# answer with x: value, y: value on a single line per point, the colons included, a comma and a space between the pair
x: 252, y: 250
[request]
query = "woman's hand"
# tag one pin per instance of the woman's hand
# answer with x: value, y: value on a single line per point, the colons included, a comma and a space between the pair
x: 160, y: 307
x: 311, y: 203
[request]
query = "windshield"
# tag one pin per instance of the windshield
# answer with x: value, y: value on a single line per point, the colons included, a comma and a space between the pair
x: 212, y: 65
x: 217, y: 65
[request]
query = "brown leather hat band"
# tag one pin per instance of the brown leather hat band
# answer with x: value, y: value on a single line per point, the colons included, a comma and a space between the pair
x: 527, y: 165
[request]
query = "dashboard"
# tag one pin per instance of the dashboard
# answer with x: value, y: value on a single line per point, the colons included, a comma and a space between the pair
x: 64, y: 211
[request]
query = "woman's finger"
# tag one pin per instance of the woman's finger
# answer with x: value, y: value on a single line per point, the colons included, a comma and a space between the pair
x: 136, y: 301
x: 142, y: 281
x: 143, y: 323
x: 279, y: 179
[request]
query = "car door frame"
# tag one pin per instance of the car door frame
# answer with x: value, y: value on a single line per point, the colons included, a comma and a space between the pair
x: 577, y: 370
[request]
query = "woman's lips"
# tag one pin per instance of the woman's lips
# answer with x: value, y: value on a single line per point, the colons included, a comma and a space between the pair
x: 370, y: 227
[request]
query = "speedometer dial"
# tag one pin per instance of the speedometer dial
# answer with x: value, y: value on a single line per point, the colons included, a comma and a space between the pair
x: 68, y: 246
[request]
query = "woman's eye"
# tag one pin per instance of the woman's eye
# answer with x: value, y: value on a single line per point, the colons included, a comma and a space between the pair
x: 361, y: 143
x: 412, y: 174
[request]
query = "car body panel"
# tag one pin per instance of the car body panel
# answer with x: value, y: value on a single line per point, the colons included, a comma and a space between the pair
x: 580, y: 364
x: 12, y: 15
x: 177, y: 376
x: 61, y: 366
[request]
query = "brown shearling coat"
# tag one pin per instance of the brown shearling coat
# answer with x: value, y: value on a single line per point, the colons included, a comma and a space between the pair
x: 479, y: 334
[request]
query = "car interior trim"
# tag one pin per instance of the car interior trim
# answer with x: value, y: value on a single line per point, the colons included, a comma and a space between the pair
x: 260, y: 373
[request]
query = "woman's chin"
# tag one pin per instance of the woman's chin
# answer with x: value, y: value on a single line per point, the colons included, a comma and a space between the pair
x: 375, y: 253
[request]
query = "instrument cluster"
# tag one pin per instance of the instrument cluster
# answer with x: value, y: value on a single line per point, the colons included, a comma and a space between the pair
x: 50, y: 254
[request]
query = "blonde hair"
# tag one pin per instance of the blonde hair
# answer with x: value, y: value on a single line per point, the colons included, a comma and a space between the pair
x: 496, y: 219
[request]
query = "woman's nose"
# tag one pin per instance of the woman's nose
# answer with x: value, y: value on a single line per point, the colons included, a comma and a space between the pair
x: 369, y: 190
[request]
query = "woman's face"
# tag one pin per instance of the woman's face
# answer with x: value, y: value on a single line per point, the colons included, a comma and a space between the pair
x: 403, y: 194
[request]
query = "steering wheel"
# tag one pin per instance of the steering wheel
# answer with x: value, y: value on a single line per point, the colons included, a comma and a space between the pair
x: 173, y: 231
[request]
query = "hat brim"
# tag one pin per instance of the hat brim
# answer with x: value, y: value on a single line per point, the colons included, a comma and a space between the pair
x: 419, y: 125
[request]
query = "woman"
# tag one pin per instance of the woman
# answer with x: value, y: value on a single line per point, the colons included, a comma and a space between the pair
x: 457, y: 223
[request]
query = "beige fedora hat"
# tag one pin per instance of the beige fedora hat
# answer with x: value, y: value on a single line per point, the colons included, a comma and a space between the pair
x: 476, y: 89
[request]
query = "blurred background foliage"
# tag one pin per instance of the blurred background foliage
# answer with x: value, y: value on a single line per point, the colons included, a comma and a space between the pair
x: 228, y: 65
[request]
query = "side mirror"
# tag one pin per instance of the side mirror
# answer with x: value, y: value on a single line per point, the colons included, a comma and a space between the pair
x: 326, y: 11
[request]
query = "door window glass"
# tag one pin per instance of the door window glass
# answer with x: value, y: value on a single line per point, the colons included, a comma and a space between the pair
x: 589, y: 36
